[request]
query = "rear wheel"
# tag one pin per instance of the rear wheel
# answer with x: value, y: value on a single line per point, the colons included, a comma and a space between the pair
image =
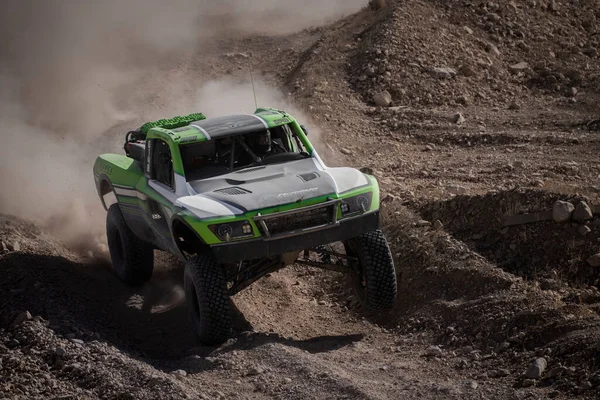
x: 375, y: 277
x: 207, y: 300
x: 132, y: 258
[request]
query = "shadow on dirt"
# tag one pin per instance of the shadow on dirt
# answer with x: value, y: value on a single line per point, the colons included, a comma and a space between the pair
x: 319, y: 344
x: 87, y: 301
x: 251, y: 340
x: 546, y: 251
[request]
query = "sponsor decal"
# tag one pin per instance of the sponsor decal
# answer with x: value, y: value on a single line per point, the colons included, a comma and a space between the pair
x: 188, y: 139
x: 280, y: 121
x: 297, y: 192
x: 106, y: 168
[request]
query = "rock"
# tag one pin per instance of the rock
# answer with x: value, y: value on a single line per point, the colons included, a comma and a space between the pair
x: 467, y: 70
x: 346, y: 151
x: 472, y: 385
x: 60, y: 352
x: 254, y: 371
x: 422, y: 223
x: 562, y: 211
x: 499, y: 373
x: 322, y: 302
x: 556, y: 371
x: 467, y: 30
x: 571, y: 92
x: 494, y: 17
x: 3, y: 247
x: 22, y: 317
x: 458, y: 119
x: 584, y: 230
x: 438, y: 224
x: 528, y: 382
x: 77, y: 341
x: 13, y: 343
x: 519, y: 67
x: 552, y: 6
x: 434, y: 351
x: 583, y: 212
x: 537, y: 368
x: 514, y: 105
x: 383, y: 99
x: 16, y: 246
x: 464, y: 100
x: 443, y: 73
x: 490, y: 48
x: 594, y: 261
x: 179, y: 373
x: 287, y: 380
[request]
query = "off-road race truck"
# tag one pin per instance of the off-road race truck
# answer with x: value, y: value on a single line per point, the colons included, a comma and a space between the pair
x: 235, y: 198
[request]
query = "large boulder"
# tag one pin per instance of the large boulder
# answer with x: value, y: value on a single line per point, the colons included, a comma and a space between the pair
x: 562, y: 211
x: 582, y: 212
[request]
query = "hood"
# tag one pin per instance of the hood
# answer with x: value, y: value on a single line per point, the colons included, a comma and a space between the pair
x: 269, y: 186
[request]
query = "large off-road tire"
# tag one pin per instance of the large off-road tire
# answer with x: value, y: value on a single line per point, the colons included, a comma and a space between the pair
x: 207, y: 300
x: 375, y: 278
x: 132, y: 258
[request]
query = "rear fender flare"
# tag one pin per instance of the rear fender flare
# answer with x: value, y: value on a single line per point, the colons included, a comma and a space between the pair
x: 104, y: 187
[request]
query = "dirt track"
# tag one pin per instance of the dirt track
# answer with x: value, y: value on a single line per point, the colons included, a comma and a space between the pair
x: 491, y: 298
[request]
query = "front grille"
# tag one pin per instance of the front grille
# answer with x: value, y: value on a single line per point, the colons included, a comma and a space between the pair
x: 297, y: 221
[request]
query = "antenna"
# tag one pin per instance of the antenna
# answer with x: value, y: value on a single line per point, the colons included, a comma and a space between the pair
x: 251, y: 76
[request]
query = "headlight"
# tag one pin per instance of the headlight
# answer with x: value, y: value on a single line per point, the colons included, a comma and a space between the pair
x: 356, y: 204
x: 232, y: 230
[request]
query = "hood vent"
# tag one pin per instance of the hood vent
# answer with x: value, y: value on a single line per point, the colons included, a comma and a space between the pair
x: 308, y: 177
x: 233, y: 191
x: 245, y: 171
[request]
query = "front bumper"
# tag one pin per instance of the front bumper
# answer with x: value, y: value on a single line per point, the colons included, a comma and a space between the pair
x: 258, y: 248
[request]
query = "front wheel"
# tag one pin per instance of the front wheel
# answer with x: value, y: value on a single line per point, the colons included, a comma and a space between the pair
x: 207, y: 300
x: 375, y: 275
x: 132, y: 258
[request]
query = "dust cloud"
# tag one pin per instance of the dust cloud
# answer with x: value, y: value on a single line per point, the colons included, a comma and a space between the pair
x: 75, y: 76
x: 230, y: 96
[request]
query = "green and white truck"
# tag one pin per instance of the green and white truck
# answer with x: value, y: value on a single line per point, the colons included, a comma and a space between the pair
x: 236, y: 198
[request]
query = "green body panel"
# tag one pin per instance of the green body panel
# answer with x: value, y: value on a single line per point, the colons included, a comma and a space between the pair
x: 119, y: 169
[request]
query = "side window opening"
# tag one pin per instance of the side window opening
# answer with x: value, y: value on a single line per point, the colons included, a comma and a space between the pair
x: 162, y: 163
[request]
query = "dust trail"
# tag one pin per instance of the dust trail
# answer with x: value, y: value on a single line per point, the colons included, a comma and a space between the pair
x: 74, y: 77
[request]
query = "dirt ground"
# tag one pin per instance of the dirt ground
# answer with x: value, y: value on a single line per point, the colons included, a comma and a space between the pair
x: 493, y: 111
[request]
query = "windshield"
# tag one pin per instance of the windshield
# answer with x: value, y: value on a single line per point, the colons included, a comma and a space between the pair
x: 219, y: 156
